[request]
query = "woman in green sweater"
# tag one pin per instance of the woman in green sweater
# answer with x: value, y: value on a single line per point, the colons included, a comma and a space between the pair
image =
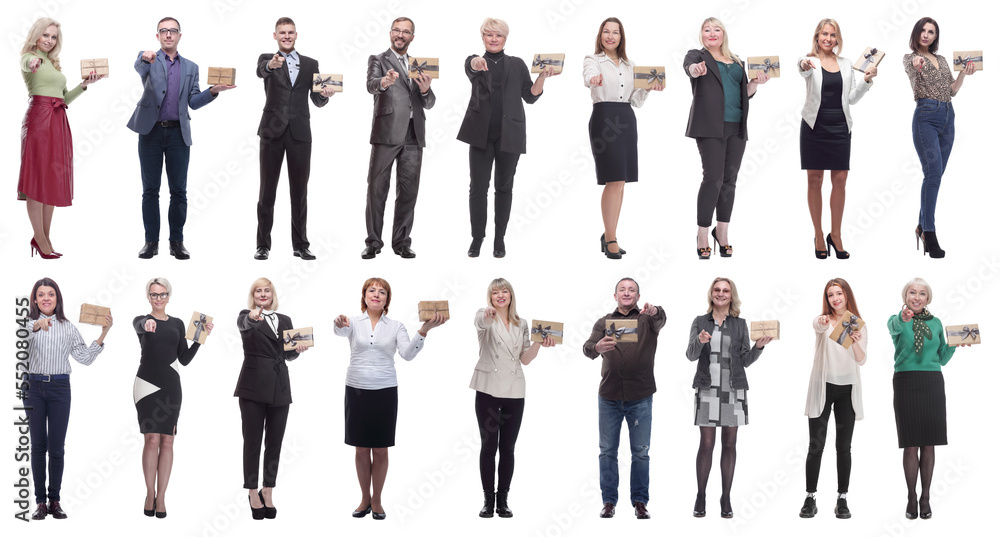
x: 46, y: 179
x: 918, y: 390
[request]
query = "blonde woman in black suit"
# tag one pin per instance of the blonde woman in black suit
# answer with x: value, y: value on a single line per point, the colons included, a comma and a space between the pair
x: 264, y: 391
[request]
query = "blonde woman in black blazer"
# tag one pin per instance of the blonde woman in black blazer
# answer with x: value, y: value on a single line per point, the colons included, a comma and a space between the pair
x: 264, y: 391
x: 719, y: 129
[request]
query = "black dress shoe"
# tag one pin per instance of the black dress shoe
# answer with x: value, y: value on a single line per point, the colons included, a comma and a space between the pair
x: 43, y: 510
x: 361, y: 514
x: 378, y: 516
x: 608, y: 510
x: 370, y: 251
x: 261, y: 254
x: 149, y: 249
x: 405, y: 252
x: 841, y: 511
x: 474, y: 248
x: 499, y: 250
x: 304, y: 253
x: 808, y: 508
x: 640, y: 511
x: 178, y: 250
x: 56, y: 511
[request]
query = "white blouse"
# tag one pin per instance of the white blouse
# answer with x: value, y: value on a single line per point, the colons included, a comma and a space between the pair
x: 836, y: 365
x: 373, y: 351
x: 49, y: 351
x: 618, y: 84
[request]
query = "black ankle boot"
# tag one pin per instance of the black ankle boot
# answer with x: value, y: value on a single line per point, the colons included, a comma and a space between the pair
x: 502, y: 510
x: 931, y: 245
x: 487, y: 510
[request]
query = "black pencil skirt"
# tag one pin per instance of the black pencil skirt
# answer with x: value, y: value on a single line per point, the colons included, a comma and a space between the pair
x: 614, y: 140
x: 919, y: 403
x: 826, y: 146
x: 370, y: 417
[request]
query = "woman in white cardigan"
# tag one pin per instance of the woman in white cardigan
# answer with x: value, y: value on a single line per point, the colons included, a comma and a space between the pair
x: 825, y: 135
x: 834, y: 385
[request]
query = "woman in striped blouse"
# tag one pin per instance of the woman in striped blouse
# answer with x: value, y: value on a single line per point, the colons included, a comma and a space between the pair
x: 52, y: 339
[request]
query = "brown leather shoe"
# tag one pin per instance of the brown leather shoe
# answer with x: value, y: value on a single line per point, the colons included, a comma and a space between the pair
x: 640, y: 511
x: 56, y: 511
x: 608, y: 510
x: 43, y: 510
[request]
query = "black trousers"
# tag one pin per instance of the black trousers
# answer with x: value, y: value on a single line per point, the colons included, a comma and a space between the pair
x: 480, y: 168
x: 272, y: 153
x: 259, y: 418
x: 839, y: 399
x: 720, y: 163
x: 408, y: 158
x: 499, y: 422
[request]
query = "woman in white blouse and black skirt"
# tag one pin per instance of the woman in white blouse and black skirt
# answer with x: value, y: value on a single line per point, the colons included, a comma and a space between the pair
x: 52, y: 339
x: 370, y: 400
x: 613, y: 134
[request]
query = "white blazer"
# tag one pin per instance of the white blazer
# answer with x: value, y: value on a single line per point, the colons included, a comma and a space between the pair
x: 498, y: 371
x: 814, y: 86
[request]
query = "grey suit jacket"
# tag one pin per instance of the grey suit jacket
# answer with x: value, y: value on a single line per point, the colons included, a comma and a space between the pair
x: 154, y: 87
x: 391, y: 116
x: 743, y: 353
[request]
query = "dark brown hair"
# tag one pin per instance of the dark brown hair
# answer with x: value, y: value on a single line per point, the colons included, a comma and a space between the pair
x: 34, y: 312
x: 413, y: 25
x: 598, y: 47
x: 165, y: 19
x: 381, y: 283
x: 915, y: 37
x: 852, y: 305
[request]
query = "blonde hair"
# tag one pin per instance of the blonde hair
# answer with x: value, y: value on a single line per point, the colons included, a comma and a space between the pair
x: 495, y: 25
x: 734, y: 301
x: 725, y: 38
x: 35, y: 33
x: 921, y: 282
x: 836, y: 29
x: 501, y: 283
x: 162, y: 282
x: 263, y: 282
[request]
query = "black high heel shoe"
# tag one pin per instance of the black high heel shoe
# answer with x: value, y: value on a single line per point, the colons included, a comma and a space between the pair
x: 931, y: 245
x: 841, y: 254
x: 604, y: 246
x: 610, y: 254
x: 150, y: 512
x: 474, y: 248
x: 699, y: 506
x: 269, y: 512
x: 726, y: 250
x: 256, y: 512
x: 925, y: 512
x: 727, y: 507
x: 821, y: 254
x: 911, y: 508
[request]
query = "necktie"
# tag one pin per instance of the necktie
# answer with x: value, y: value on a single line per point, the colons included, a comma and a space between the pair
x: 405, y: 73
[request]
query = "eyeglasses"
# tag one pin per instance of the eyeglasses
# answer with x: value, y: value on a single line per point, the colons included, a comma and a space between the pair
x: 160, y: 296
x: 405, y: 33
x: 171, y: 31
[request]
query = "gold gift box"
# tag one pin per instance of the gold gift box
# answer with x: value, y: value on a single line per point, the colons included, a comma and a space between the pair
x: 870, y: 56
x: 646, y: 76
x: 221, y: 76
x: 959, y: 58
x: 540, y: 329
x: 759, y: 329
x: 847, y: 320
x: 427, y: 66
x: 623, y: 330
x: 322, y: 81
x: 91, y: 314
x: 196, y: 330
x: 769, y: 64
x: 427, y: 308
x: 963, y: 334
x: 297, y: 337
x: 541, y: 61
x: 95, y: 65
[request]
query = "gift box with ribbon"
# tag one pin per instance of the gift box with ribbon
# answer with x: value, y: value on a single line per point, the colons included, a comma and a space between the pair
x: 221, y: 76
x: 846, y: 325
x: 759, y: 329
x: 96, y: 65
x: 962, y: 334
x: 91, y: 314
x: 647, y: 76
x: 623, y: 330
x: 196, y: 328
x: 322, y: 81
x: 427, y: 308
x: 871, y: 56
x: 424, y: 66
x: 542, y: 329
x: 541, y: 61
x: 769, y: 64
x: 961, y: 58
x: 297, y: 337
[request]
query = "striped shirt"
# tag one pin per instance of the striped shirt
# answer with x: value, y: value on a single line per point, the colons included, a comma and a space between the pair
x: 618, y: 84
x: 50, y: 349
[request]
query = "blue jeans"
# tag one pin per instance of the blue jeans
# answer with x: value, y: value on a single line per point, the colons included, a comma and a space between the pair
x: 164, y: 144
x: 639, y: 416
x: 47, y: 406
x: 933, y: 136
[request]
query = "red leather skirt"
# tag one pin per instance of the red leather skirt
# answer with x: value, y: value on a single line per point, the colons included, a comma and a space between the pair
x: 46, y: 153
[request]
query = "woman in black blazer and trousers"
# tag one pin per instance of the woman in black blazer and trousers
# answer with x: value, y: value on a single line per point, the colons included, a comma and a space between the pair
x: 494, y: 129
x: 718, y: 122
x: 264, y: 391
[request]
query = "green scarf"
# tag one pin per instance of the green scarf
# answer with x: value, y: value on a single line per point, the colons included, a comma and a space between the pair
x: 921, y: 330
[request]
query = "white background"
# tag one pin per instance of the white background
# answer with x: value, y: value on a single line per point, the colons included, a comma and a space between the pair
x: 433, y: 482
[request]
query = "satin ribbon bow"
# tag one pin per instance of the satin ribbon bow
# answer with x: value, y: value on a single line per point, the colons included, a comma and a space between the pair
x: 328, y: 81
x: 766, y: 66
x: 619, y: 332
x: 849, y: 328
x: 965, y: 61
x: 965, y: 332
x: 546, y: 331
x: 198, y: 325
x: 539, y: 61
x: 295, y: 338
x: 652, y: 77
x: 869, y: 58
x: 421, y: 67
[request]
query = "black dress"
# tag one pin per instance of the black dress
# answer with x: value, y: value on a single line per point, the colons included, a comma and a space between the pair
x: 157, y: 388
x: 827, y: 146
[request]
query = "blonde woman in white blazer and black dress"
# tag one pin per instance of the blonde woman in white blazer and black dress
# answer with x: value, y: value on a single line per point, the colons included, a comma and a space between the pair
x: 825, y: 135
x: 504, y: 345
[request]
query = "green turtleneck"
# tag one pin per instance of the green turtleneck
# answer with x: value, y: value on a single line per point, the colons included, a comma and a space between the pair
x: 46, y: 81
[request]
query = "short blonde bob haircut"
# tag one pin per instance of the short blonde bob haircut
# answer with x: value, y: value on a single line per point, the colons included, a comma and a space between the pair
x: 162, y: 282
x: 921, y: 282
x: 494, y: 25
x: 263, y: 282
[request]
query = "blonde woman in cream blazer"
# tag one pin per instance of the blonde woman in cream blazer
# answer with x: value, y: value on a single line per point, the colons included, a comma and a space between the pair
x: 504, y: 345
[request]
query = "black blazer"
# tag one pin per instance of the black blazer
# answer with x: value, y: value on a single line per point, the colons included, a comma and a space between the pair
x: 709, y: 103
x: 742, y: 353
x: 389, y: 127
x: 517, y: 86
x: 264, y: 376
x: 287, y: 106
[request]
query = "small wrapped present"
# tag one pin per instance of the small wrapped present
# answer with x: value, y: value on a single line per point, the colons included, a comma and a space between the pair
x: 427, y: 308
x: 623, y: 330
x: 542, y: 61
x: 322, y: 81
x: 759, y: 329
x: 423, y: 66
x: 542, y: 329
x: 221, y: 76
x: 646, y: 76
x: 769, y: 64
x: 297, y: 337
x: 961, y: 58
x: 871, y: 56
x: 196, y: 328
x: 848, y: 324
x: 963, y: 334
x: 91, y: 314
x: 96, y: 65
